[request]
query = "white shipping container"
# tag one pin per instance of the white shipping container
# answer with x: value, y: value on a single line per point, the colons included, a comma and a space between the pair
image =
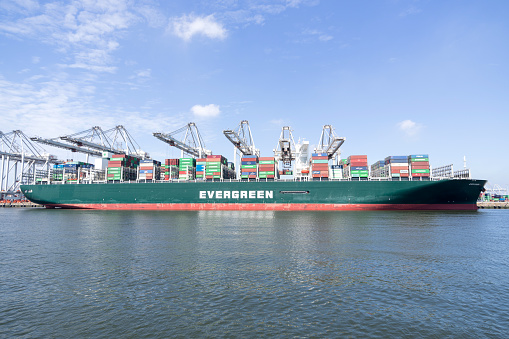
x: 101, y: 163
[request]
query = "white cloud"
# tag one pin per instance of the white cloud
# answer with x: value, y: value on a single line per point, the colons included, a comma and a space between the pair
x: 87, y: 30
x: 208, y: 111
x: 187, y: 26
x: 278, y: 122
x: 410, y: 11
x: 145, y: 73
x: 58, y: 107
x: 409, y: 127
x: 311, y: 34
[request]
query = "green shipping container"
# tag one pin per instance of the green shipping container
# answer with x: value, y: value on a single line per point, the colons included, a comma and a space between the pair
x: 267, y: 173
x: 419, y: 159
x: 320, y: 161
x: 248, y: 166
x: 420, y: 171
x: 265, y: 162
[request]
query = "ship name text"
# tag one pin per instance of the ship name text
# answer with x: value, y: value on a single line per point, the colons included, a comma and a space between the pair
x: 236, y: 194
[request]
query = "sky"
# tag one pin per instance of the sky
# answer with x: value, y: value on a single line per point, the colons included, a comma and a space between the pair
x: 394, y: 77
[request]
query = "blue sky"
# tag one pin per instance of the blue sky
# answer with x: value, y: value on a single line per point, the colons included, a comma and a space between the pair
x: 395, y: 77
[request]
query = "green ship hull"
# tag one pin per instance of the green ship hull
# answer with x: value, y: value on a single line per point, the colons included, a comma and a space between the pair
x: 453, y: 194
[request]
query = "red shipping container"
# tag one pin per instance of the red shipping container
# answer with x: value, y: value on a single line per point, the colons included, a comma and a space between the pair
x: 119, y: 156
x: 319, y: 167
x: 270, y: 176
x: 209, y: 177
x: 252, y: 176
x: 184, y: 172
x: 200, y: 173
x: 422, y: 163
x: 319, y: 158
x: 266, y: 167
x: 316, y: 175
x: 214, y: 156
x: 115, y: 163
x: 266, y: 158
x: 201, y: 160
x: 358, y: 163
x: 356, y: 157
x: 419, y: 167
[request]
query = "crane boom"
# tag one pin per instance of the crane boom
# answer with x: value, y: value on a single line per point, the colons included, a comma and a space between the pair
x: 104, y: 141
x: 191, y: 143
x: 329, y: 142
x: 242, y: 139
x: 66, y: 146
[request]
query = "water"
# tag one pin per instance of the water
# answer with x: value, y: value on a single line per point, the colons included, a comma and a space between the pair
x: 71, y: 273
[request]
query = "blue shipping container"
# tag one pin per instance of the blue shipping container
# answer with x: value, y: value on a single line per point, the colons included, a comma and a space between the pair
x: 419, y: 156
x: 249, y: 157
x: 359, y: 168
x: 318, y: 154
x: 249, y: 162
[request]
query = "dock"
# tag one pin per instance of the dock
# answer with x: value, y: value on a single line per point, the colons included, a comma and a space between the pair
x: 493, y: 204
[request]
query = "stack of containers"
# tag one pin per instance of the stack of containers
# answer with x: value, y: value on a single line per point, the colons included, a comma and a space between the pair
x: 378, y: 169
x: 214, y: 166
x: 171, y: 170
x: 122, y: 167
x: 249, y: 167
x: 419, y: 165
x: 319, y: 165
x: 187, y: 168
x: 357, y: 166
x: 397, y: 166
x: 337, y: 171
x: 229, y: 171
x: 267, y: 168
x: 71, y: 170
x: 201, y: 165
x: 149, y: 170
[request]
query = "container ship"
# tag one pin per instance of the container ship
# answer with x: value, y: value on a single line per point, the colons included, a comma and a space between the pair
x: 212, y: 183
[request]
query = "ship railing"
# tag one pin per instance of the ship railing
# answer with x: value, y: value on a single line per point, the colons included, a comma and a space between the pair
x: 98, y: 177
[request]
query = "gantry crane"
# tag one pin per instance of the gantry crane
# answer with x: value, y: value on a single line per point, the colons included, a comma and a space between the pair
x: 19, y: 160
x: 243, y: 142
x: 289, y: 152
x: 330, y: 143
x: 94, y: 141
x: 190, y: 141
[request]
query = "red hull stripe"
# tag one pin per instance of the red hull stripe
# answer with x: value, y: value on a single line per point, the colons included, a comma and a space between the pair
x: 269, y: 207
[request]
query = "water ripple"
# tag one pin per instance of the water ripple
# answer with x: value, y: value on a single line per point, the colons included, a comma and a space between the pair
x: 235, y: 274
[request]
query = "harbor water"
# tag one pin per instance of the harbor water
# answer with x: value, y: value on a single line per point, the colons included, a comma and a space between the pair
x: 111, y: 274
